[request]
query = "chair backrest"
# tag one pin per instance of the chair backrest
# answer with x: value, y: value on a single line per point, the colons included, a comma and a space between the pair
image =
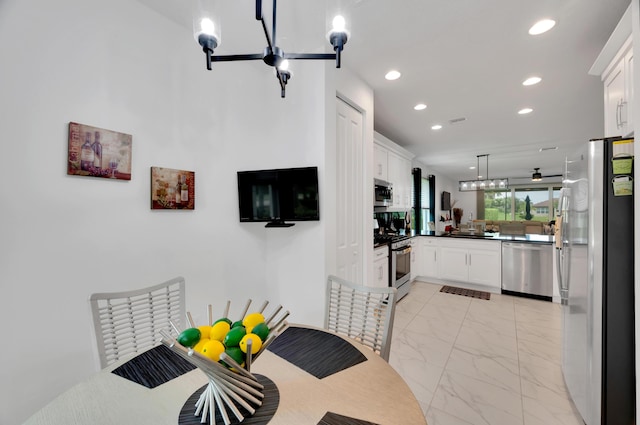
x: 130, y: 322
x: 362, y: 313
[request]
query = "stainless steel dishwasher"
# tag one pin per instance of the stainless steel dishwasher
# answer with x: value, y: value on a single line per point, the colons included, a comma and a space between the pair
x: 527, y: 268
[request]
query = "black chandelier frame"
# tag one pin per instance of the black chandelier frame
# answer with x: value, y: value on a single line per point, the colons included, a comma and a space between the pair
x: 272, y: 54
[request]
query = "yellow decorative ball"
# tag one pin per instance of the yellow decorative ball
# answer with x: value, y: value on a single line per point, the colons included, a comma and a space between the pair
x: 256, y: 343
x: 200, y: 345
x: 219, y: 330
x: 204, y: 331
x: 213, y: 349
x: 250, y: 320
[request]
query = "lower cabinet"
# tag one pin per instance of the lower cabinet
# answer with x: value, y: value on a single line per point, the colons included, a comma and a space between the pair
x: 465, y: 261
x: 416, y: 264
x: 380, y: 275
x: 471, y: 261
x: 428, y: 257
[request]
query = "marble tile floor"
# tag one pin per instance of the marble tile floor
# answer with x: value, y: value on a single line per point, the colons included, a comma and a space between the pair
x: 481, y: 362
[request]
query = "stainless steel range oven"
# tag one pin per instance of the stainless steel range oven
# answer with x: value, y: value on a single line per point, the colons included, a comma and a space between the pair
x: 400, y: 270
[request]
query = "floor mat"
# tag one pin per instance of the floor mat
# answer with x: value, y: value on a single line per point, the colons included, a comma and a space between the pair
x: 466, y: 292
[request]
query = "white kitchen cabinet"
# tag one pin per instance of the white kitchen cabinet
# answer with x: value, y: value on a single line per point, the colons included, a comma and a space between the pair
x: 393, y: 163
x: 416, y: 263
x: 428, y: 257
x: 453, y: 263
x: 471, y: 261
x: 400, y: 176
x: 380, y: 274
x: 380, y: 158
x: 485, y: 266
x: 618, y: 93
x: 614, y: 65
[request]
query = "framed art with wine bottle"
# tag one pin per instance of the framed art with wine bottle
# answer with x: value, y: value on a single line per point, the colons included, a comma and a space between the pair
x: 172, y: 189
x: 97, y: 152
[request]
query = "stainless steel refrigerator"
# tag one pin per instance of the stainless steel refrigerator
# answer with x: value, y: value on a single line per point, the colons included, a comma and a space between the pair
x: 595, y: 265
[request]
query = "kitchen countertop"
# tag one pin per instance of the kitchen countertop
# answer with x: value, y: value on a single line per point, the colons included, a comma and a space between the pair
x: 529, y: 238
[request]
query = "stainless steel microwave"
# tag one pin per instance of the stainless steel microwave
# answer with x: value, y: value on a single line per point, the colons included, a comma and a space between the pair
x: 382, y: 193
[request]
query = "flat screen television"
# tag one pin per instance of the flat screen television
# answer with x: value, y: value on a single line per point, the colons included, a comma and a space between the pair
x: 446, y: 201
x: 277, y: 196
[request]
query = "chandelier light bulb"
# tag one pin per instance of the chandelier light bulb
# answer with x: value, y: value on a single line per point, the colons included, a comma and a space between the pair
x: 339, y: 24
x: 284, y: 65
x: 207, y: 26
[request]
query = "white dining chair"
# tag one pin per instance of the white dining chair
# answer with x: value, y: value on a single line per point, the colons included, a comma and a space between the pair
x: 130, y: 322
x: 362, y: 313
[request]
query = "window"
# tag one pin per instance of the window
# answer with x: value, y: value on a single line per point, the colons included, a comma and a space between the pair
x: 497, y: 205
x: 535, y: 204
x: 424, y: 207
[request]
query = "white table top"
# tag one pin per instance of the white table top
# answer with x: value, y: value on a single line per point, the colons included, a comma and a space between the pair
x: 370, y: 391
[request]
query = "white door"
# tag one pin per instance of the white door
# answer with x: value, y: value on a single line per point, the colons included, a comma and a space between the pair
x: 349, y: 192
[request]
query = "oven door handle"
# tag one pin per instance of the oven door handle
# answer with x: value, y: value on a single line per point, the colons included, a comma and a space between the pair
x: 403, y: 250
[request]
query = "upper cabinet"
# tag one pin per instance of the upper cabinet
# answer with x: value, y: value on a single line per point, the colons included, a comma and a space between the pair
x: 393, y: 163
x: 380, y: 160
x: 618, y: 94
x: 614, y: 66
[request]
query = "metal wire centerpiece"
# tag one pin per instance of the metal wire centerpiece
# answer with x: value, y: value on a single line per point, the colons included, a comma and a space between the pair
x: 231, y: 384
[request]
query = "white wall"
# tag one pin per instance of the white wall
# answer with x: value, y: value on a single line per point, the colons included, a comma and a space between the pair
x: 120, y: 66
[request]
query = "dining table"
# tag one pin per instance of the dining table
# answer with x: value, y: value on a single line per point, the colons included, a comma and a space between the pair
x: 310, y: 376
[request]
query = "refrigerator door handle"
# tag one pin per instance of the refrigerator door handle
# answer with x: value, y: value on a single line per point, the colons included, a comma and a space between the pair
x: 562, y: 283
x: 562, y: 247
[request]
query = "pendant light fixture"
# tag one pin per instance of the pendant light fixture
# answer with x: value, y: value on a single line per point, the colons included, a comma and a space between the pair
x: 483, y: 183
x: 207, y: 33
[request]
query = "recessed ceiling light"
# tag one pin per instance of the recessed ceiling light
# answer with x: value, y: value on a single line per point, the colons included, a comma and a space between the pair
x: 420, y: 107
x: 554, y: 148
x: 392, y: 75
x: 542, y: 26
x: 531, y: 81
x: 436, y: 127
x: 525, y: 111
x: 473, y: 167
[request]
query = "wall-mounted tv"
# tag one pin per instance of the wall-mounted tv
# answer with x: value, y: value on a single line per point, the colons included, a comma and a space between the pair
x: 277, y: 196
x: 446, y: 201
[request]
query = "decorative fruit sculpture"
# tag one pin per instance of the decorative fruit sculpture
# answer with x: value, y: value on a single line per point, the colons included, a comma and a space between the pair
x: 223, y: 336
x: 224, y: 344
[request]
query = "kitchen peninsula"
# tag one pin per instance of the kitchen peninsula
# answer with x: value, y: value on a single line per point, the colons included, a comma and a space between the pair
x: 472, y: 260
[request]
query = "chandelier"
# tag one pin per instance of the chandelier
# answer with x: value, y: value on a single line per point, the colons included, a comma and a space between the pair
x: 481, y: 183
x: 208, y: 35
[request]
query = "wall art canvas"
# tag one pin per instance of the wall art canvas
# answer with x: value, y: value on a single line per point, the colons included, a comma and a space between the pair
x: 172, y: 189
x: 96, y: 152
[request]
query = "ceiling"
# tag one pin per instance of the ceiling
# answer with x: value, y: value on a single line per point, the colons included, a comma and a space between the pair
x: 467, y: 59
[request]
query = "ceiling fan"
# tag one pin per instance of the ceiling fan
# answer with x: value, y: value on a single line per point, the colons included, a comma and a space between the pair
x: 537, y: 175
